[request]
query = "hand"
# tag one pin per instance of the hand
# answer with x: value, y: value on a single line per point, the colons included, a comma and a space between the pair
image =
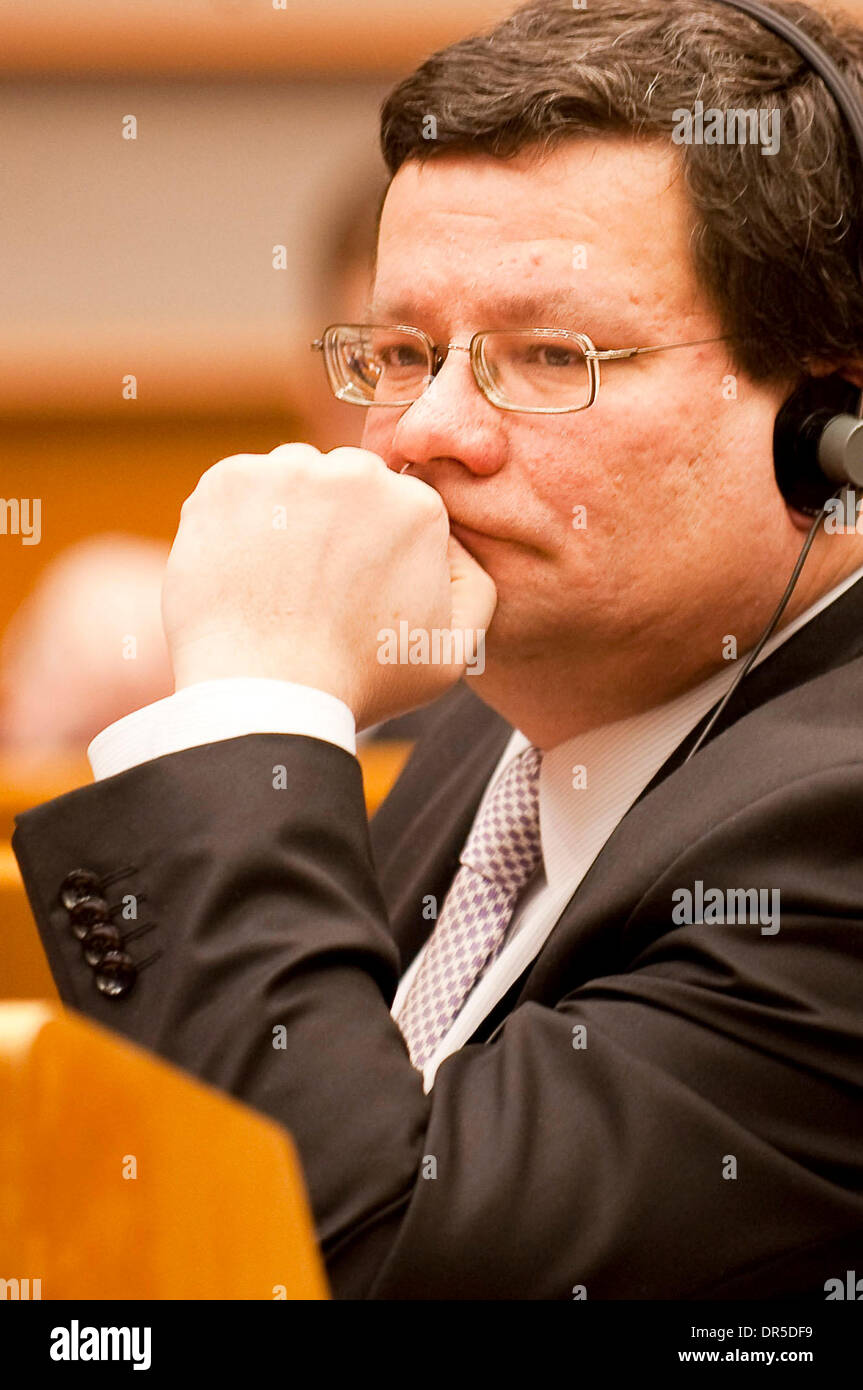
x: 290, y: 565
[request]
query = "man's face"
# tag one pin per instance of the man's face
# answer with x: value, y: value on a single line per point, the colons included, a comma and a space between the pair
x: 686, y: 534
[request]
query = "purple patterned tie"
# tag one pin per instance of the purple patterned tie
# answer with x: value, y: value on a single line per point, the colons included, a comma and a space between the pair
x: 501, y: 853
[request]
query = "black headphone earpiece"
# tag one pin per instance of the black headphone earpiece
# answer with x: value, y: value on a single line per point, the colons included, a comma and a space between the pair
x: 818, y: 442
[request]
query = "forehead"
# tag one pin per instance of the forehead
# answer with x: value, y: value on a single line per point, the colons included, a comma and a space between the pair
x: 602, y: 221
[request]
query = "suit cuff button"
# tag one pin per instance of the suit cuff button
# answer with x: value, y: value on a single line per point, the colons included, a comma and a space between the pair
x: 80, y: 883
x: 98, y: 942
x: 116, y: 974
x: 87, y: 913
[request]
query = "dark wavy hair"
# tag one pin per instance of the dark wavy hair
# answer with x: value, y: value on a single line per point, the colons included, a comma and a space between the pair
x: 778, y: 240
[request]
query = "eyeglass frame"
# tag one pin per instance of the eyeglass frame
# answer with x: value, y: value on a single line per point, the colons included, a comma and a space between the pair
x: 593, y: 357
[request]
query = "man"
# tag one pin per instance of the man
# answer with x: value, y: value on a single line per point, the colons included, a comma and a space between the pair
x: 625, y: 1058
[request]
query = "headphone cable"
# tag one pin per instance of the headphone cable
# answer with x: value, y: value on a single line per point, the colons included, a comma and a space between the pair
x: 756, y: 650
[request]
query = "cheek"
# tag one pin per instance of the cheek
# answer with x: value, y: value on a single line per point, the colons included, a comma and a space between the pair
x: 640, y: 442
x: 621, y: 470
x: 587, y: 463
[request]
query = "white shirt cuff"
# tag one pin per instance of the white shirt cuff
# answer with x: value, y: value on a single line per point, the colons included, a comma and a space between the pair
x: 219, y: 709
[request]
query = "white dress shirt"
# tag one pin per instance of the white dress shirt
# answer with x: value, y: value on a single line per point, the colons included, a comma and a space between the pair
x: 619, y: 760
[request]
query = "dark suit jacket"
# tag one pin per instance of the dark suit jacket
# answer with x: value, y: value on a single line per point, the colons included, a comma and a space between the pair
x: 555, y: 1166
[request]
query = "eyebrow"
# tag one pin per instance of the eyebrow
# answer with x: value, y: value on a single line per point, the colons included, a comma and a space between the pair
x: 531, y: 309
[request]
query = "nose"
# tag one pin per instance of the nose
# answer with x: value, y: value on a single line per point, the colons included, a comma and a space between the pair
x: 451, y: 421
x: 440, y: 358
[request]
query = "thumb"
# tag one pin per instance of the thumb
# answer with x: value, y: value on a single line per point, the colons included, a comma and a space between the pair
x: 473, y: 591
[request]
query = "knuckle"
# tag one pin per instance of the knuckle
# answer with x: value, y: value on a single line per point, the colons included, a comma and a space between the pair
x: 213, y: 476
x: 296, y: 454
x: 359, y: 464
x: 349, y: 453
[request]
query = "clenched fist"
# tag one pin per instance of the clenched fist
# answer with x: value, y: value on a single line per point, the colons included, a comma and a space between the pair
x: 293, y: 564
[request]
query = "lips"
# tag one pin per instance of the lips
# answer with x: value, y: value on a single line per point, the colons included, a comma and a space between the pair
x: 471, y: 536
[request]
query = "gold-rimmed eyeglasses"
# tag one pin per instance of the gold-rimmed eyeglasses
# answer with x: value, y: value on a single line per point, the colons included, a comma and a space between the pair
x: 539, y: 371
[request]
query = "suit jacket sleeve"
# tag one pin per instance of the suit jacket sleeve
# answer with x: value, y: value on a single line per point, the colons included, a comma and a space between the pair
x: 554, y: 1166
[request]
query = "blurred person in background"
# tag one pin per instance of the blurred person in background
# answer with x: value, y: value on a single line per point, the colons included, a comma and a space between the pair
x: 342, y: 277
x: 87, y: 646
